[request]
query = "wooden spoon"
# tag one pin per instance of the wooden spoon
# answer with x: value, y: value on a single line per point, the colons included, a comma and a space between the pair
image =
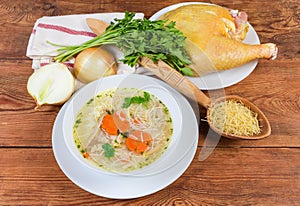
x: 190, y: 90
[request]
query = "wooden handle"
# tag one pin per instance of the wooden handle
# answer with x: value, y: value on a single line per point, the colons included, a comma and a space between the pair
x: 96, y: 25
x: 176, y: 80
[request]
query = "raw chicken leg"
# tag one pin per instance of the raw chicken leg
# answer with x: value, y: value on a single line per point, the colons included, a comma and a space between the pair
x: 214, y: 37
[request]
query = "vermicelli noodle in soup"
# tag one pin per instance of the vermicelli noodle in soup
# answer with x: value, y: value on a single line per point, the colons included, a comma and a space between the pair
x: 122, y: 130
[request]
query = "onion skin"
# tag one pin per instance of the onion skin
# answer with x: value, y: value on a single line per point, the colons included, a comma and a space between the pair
x: 94, y: 63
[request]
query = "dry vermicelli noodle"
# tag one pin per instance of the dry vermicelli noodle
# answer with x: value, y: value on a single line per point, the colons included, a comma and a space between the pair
x: 233, y: 117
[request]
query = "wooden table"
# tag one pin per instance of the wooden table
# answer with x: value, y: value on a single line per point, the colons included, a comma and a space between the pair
x: 263, y: 172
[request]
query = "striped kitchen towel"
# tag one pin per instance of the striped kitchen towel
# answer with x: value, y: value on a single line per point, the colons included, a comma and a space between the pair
x: 67, y: 30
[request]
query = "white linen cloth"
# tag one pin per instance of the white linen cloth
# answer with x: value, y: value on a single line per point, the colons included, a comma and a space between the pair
x: 67, y: 30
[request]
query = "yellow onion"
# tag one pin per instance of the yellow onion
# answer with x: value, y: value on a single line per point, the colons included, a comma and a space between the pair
x: 94, y: 63
x: 51, y: 84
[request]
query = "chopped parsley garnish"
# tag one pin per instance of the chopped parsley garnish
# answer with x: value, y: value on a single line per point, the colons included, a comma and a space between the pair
x: 90, y: 101
x: 124, y: 134
x: 78, y: 121
x: 110, y: 112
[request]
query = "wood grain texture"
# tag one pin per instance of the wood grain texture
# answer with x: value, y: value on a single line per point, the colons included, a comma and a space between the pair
x: 20, y: 124
x: 228, y: 177
x: 277, y: 23
x: 263, y: 172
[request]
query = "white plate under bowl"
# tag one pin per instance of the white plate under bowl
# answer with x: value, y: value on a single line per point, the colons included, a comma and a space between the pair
x: 120, y: 186
x: 224, y: 78
x: 175, y: 150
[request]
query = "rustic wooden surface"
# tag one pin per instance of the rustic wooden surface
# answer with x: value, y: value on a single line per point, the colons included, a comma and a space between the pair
x: 264, y: 172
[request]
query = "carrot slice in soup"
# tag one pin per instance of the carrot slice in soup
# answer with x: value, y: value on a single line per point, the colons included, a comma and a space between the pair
x: 141, y: 147
x: 121, y: 121
x: 138, y: 141
x: 142, y: 136
x: 109, y: 125
x: 131, y: 144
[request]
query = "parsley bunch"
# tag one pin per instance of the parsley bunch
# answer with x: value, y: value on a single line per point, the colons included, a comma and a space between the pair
x: 138, y: 38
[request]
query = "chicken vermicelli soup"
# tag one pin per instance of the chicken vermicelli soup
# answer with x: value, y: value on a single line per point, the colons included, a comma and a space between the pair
x: 124, y: 129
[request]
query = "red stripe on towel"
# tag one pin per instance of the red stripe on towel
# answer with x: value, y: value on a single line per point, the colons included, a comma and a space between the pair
x: 66, y: 30
x: 65, y: 63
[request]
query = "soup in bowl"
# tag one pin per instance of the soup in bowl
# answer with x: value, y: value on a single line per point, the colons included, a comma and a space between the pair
x: 124, y: 124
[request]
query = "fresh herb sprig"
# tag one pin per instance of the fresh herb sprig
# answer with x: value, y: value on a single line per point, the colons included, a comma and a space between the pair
x: 136, y: 100
x: 157, y: 40
x: 109, y: 151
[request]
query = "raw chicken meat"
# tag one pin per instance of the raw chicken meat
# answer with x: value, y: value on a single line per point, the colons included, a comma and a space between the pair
x: 214, y: 37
